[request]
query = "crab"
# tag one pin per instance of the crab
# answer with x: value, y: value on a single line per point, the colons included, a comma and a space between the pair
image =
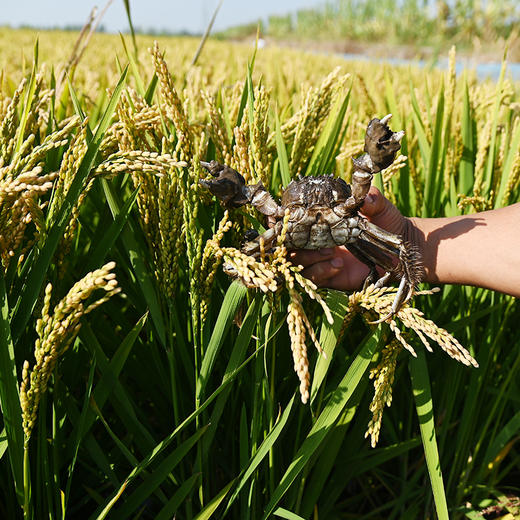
x: 324, y: 213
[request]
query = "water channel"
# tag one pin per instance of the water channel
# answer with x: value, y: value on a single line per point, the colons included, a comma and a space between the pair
x: 483, y: 70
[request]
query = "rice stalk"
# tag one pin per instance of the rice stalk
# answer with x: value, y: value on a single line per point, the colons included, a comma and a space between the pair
x: 56, y: 331
x: 19, y: 206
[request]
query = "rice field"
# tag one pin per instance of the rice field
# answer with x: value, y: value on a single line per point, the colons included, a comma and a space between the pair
x: 138, y: 380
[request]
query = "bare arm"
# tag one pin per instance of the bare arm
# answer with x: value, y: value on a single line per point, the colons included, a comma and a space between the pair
x: 481, y: 249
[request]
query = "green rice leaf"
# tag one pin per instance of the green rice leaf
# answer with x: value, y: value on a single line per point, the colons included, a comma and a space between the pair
x: 322, y: 160
x: 325, y: 422
x: 284, y: 513
x: 76, y: 102
x: 434, y: 181
x: 467, y: 162
x: 4, y: 443
x: 423, y: 401
x: 111, y: 233
x: 80, y: 432
x: 508, y: 432
x: 9, y: 396
x: 237, y: 357
x: 28, y: 101
x: 155, y: 478
x: 175, y: 502
x: 213, y: 504
x: 507, y: 170
x: 130, y: 24
x: 282, y: 154
x: 490, y: 164
x: 150, y: 90
x: 234, y: 296
x: 136, y: 256
x: 424, y: 145
x: 133, y: 60
x: 338, y: 303
x: 262, y: 451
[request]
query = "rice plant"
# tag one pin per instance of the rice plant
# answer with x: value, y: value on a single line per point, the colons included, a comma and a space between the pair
x: 177, y: 392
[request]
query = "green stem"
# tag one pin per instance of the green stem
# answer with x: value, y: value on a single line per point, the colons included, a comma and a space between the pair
x: 26, y: 481
x: 272, y: 468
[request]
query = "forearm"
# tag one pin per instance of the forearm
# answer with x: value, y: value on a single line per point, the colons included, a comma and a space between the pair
x: 481, y: 249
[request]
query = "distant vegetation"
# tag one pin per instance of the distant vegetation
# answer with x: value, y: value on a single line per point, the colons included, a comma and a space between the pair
x: 469, y: 24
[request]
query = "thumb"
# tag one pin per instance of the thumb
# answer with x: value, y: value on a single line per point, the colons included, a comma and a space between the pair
x: 381, y: 212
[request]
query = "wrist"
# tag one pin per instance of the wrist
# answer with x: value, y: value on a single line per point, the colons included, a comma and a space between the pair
x: 415, y: 237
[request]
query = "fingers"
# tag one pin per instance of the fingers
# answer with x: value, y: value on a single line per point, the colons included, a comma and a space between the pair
x: 307, y: 257
x: 335, y: 268
x: 341, y: 273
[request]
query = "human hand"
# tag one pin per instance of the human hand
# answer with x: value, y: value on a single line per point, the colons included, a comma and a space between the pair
x: 336, y: 267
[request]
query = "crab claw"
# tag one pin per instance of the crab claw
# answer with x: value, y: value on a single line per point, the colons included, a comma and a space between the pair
x: 381, y: 143
x: 228, y: 185
x: 386, y: 119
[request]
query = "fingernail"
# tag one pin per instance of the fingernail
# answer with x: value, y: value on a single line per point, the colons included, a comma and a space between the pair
x: 327, y: 251
x: 337, y: 262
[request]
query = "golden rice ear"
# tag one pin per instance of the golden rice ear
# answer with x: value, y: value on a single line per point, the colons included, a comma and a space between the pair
x: 57, y: 330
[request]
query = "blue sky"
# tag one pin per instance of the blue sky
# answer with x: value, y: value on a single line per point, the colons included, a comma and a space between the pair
x: 172, y: 15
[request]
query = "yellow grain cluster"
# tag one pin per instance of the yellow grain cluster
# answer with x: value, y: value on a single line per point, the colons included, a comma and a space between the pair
x: 56, y: 330
x: 273, y: 273
x: 383, y: 378
x: 24, y: 147
x: 378, y: 301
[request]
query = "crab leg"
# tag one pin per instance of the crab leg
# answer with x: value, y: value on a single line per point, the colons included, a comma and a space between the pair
x: 231, y: 188
x: 252, y: 248
x: 374, y: 254
x: 380, y: 246
x: 367, y: 260
x: 380, y: 233
x: 381, y: 145
x: 404, y: 292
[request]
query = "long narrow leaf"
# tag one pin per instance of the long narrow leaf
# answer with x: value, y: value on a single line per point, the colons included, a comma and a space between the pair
x: 213, y: 504
x: 423, y: 400
x: 323, y: 154
x: 282, y: 154
x: 263, y: 450
x: 111, y: 234
x: 151, y: 457
x: 337, y: 303
x: 158, y: 476
x: 234, y: 296
x: 136, y: 255
x: 28, y: 101
x: 338, y: 400
x: 9, y: 397
x: 237, y: 356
